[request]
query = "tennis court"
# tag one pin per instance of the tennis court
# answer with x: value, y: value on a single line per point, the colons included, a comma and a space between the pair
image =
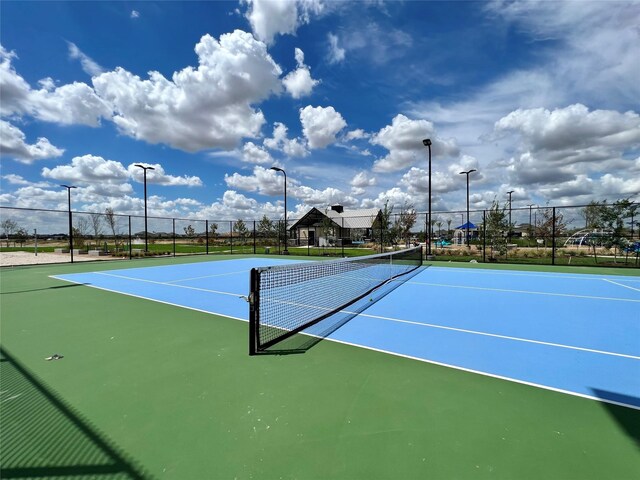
x: 457, y: 372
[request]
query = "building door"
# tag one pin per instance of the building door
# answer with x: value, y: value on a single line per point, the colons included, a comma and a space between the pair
x: 312, y: 237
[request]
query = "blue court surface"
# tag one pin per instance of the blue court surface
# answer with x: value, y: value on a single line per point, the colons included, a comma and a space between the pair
x: 572, y: 333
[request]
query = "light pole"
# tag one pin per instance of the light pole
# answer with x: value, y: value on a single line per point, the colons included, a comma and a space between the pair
x: 467, y: 174
x: 427, y: 143
x: 145, y: 168
x: 510, y: 192
x: 69, y: 187
x: 278, y: 169
x: 530, y: 226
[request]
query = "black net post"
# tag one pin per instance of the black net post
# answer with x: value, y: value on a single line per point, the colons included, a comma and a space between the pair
x: 206, y: 236
x: 254, y: 319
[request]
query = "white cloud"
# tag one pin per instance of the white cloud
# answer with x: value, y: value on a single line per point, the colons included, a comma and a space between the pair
x: 251, y: 153
x: 75, y: 103
x: 403, y: 139
x: 14, y: 179
x: 135, y: 14
x: 13, y: 144
x: 88, y: 169
x: 320, y: 125
x: 264, y: 181
x: 279, y: 141
x: 363, y: 179
x: 336, y: 53
x: 204, y: 108
x: 269, y: 18
x: 110, y: 178
x: 159, y: 177
x: 356, y: 134
x: 573, y: 127
x: 89, y: 66
x: 299, y: 82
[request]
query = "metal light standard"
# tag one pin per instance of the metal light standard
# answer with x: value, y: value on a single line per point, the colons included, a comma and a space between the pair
x: 427, y: 143
x: 530, y: 226
x: 145, y: 168
x: 69, y: 187
x: 278, y: 169
x: 467, y: 174
x: 510, y: 192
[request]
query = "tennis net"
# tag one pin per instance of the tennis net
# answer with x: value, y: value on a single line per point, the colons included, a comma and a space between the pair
x: 287, y: 299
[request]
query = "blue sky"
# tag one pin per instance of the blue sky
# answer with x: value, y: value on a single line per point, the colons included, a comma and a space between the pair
x: 540, y: 98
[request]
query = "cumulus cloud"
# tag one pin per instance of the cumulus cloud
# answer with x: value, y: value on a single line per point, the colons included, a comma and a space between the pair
x: 264, y: 181
x: 280, y: 141
x: 89, y: 66
x: 403, y: 139
x: 13, y: 144
x: 363, y: 179
x: 134, y: 14
x: 160, y: 177
x: 252, y: 153
x: 110, y: 177
x: 573, y: 127
x: 320, y: 125
x: 269, y: 18
x: 299, y: 82
x: 199, y: 108
x: 75, y: 103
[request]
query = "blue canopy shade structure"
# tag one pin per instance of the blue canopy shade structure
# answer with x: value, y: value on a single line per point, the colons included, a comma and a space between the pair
x: 470, y: 225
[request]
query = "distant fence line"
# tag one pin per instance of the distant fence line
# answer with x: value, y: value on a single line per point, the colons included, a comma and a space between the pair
x: 605, y: 234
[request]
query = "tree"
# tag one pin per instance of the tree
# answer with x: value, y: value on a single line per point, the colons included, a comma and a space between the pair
x: 265, y: 228
x: 241, y: 229
x: 405, y: 222
x: 8, y: 228
x: 111, y: 220
x: 550, y: 224
x: 190, y: 232
x: 213, y: 229
x: 496, y: 228
x: 96, y: 226
x: 382, y: 231
x: 80, y: 232
x: 21, y: 236
x: 327, y: 227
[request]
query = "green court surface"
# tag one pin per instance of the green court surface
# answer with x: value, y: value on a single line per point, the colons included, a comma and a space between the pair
x: 148, y: 390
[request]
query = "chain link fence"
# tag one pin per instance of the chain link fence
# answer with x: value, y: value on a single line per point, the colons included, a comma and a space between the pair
x: 591, y: 235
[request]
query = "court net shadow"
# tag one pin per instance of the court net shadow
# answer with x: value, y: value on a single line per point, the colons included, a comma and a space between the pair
x: 311, y: 336
x: 627, y: 418
x: 45, y: 288
x: 42, y: 436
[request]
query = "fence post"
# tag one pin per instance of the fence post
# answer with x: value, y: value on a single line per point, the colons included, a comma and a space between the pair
x: 174, y: 236
x: 484, y: 236
x: 254, y: 237
x: 553, y: 237
x: 130, y: 246
x: 231, y: 236
x: 206, y: 236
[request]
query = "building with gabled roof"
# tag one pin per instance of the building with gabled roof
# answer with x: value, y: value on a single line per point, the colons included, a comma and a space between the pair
x: 335, y: 226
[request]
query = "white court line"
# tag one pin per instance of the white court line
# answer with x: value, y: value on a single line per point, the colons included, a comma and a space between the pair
x: 621, y: 285
x: 507, y: 290
x: 506, y: 337
x: 563, y: 275
x: 208, y: 276
x: 487, y: 374
x: 389, y: 352
x: 163, y: 283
